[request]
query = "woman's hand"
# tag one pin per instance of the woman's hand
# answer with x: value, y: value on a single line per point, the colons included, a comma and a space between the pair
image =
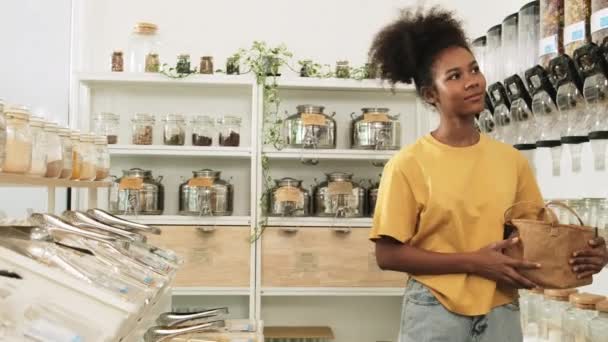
x: 590, y: 261
x: 489, y: 262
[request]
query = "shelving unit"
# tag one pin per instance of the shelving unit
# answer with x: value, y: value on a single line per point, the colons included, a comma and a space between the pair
x: 337, y: 84
x: 328, y: 154
x: 295, y: 222
x: 180, y: 151
x: 333, y: 292
x: 154, y: 79
x: 178, y: 220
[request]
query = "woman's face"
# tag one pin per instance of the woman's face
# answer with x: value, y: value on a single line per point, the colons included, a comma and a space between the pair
x: 459, y: 85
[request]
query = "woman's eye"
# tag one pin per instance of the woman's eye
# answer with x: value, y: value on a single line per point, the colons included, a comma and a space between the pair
x: 476, y: 70
x: 453, y: 77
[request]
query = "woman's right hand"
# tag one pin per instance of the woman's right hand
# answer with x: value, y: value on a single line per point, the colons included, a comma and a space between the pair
x: 489, y: 262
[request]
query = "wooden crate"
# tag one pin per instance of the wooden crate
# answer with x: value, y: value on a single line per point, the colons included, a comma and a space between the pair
x: 218, y: 258
x: 322, y: 257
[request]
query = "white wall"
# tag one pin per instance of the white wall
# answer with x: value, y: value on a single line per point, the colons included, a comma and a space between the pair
x: 34, y: 71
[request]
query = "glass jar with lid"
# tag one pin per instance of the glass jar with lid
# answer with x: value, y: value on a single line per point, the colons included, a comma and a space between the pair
x: 202, y: 130
x: 2, y: 133
x: 551, y: 30
x: 102, y: 168
x: 144, y: 41
x: 556, y: 302
x: 530, y: 304
x: 230, y: 131
x: 107, y: 124
x: 575, y: 320
x: 88, y: 165
x: 602, y: 221
x: 598, y: 326
x: 142, y: 129
x: 18, y: 150
x: 174, y: 130
x: 577, y: 14
x: 76, y: 154
x: 599, y: 20
x: 38, y: 164
x: 54, y: 150
x: 66, y: 147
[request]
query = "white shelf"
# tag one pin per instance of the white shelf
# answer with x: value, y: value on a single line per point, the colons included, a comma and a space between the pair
x: 364, y: 222
x: 180, y: 151
x: 333, y: 291
x: 8, y: 179
x: 179, y: 220
x: 210, y: 291
x: 332, y: 154
x: 155, y: 79
x: 337, y: 84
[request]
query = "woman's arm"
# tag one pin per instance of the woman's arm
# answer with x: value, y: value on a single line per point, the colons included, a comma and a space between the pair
x: 488, y: 262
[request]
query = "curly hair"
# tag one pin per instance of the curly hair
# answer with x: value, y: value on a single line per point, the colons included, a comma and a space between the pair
x: 405, y: 50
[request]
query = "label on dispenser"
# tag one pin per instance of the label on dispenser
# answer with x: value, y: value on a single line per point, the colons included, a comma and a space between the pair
x: 375, y: 117
x: 131, y: 183
x: 599, y: 20
x: 548, y: 45
x: 310, y: 119
x: 340, y: 188
x: 288, y: 194
x: 574, y: 33
x: 200, y: 182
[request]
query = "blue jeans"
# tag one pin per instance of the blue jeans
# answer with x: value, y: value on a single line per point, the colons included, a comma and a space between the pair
x: 424, y: 319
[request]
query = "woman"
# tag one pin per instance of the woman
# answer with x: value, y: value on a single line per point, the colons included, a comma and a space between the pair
x: 439, y: 214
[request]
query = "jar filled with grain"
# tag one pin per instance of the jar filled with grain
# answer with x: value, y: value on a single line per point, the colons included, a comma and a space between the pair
x: 599, y: 20
x: 39, y: 148
x: 18, y: 149
x: 551, y: 30
x: 102, y: 166
x: 107, y: 124
x: 2, y: 133
x: 88, y: 165
x: 577, y: 16
x: 66, y: 148
x: 174, y: 130
x: 143, y: 129
x: 54, y: 150
x: 76, y: 154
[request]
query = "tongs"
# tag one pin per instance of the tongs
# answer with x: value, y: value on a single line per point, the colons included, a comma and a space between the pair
x: 172, y: 319
x: 161, y: 333
x: 84, y: 220
x: 109, y: 219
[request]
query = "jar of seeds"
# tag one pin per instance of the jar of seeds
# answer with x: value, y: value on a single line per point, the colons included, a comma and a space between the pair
x: 183, y: 64
x: 206, y: 66
x: 143, y: 129
x: 152, y: 62
x: 174, y: 131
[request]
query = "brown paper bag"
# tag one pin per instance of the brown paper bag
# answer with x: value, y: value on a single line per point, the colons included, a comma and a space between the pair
x: 551, y: 244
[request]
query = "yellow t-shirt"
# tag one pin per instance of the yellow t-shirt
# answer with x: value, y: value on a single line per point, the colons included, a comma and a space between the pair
x: 452, y: 200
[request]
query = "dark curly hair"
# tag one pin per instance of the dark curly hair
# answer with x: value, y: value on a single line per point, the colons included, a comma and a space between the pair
x: 405, y: 50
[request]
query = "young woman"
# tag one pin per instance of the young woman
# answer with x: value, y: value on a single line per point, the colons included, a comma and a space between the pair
x: 439, y: 214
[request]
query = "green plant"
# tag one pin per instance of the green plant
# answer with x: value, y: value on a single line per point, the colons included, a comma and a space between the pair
x: 171, y: 72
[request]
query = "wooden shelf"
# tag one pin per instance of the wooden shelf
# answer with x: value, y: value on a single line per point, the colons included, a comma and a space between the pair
x: 329, y: 154
x: 333, y: 291
x: 364, y: 222
x: 100, y: 79
x: 180, y: 151
x: 210, y: 291
x: 8, y: 179
x: 179, y: 220
x: 337, y: 84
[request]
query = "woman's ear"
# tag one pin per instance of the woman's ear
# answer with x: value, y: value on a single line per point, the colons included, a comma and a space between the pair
x: 429, y: 95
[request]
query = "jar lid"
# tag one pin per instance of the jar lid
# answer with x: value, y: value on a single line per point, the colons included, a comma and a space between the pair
x: 342, y: 63
x: 561, y: 295
x: 51, y: 127
x: 206, y: 57
x: 17, y: 112
x: 101, y: 140
x: 228, y: 119
x: 206, y: 173
x: 107, y: 116
x: 87, y: 138
x: 308, y: 108
x: 174, y: 117
x: 144, y: 117
x: 374, y: 110
x: 585, y: 298
x: 117, y: 52
x: 134, y: 172
x: 145, y: 28
x: 203, y: 119
x: 339, y: 176
x: 36, y: 121
x: 63, y: 131
x: 183, y: 56
x: 288, y: 181
x: 75, y: 134
x: 602, y: 305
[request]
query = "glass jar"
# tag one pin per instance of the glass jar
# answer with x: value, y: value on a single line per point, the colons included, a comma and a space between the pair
x: 54, y: 151
x: 494, y: 68
x: 556, y: 302
x: 575, y: 320
x: 202, y: 131
x: 598, y: 326
x: 577, y: 14
x: 88, y: 165
x: 551, y: 30
x: 230, y: 131
x: 2, y: 133
x: 528, y: 35
x: 530, y: 307
x: 38, y: 164
x: 342, y: 69
x: 152, y: 63
x: 599, y: 20
x: 117, y: 61
x: 206, y: 66
x: 107, y: 124
x: 66, y: 147
x: 142, y: 130
x: 18, y: 151
x: 183, y: 64
x: 76, y: 155
x: 102, y: 167
x: 479, y: 51
x: 509, y: 47
x: 602, y: 223
x: 174, y: 130
x: 143, y: 41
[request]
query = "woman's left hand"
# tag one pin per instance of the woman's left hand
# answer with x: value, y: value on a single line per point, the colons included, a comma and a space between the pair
x: 588, y: 262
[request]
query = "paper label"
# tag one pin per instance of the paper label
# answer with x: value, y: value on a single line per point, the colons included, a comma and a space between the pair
x: 200, y: 182
x: 548, y: 45
x: 340, y: 188
x: 131, y: 183
x: 43, y: 330
x: 288, y: 194
x: 574, y: 33
x: 375, y: 117
x: 599, y: 20
x: 309, y: 119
